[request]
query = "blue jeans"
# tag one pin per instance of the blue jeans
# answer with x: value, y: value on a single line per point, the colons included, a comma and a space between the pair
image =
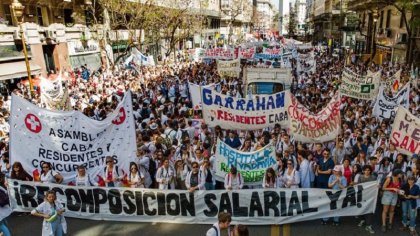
x: 3, y: 228
x: 209, y: 186
x: 408, y: 211
x: 57, y: 228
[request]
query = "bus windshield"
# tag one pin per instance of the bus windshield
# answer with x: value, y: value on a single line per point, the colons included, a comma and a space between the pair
x: 265, y: 87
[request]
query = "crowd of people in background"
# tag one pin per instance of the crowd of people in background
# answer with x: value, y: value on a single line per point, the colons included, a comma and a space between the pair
x: 173, y: 154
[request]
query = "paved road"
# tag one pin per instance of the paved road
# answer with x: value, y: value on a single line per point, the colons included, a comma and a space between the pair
x: 31, y: 226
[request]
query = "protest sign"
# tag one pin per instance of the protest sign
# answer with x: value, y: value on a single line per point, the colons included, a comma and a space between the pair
x: 253, y: 206
x: 385, y: 106
x: 405, y: 135
x: 392, y: 82
x: 69, y: 139
x: 230, y: 68
x: 246, y: 53
x: 229, y: 112
x: 195, y: 92
x: 220, y: 53
x: 360, y: 87
x: 306, y: 66
x: 313, y: 128
x: 251, y: 165
x: 54, y: 96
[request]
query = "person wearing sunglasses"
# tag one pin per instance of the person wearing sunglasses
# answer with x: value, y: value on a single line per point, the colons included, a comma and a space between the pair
x: 135, y: 177
x: 291, y: 177
x: 195, y: 179
x: 48, y: 175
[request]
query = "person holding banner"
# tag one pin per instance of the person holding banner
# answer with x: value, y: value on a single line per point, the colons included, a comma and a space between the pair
x: 83, y: 179
x: 19, y: 173
x: 164, y: 176
x: 181, y: 171
x: 111, y: 174
x: 195, y: 178
x: 209, y: 174
x: 48, y: 175
x: 51, y: 210
x: 234, y: 180
x: 304, y: 170
x: 135, y: 177
x: 336, y: 182
x: 291, y: 177
x: 270, y: 180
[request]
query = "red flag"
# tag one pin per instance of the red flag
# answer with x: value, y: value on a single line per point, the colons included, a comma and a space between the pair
x: 101, y: 181
x: 124, y: 181
x: 36, y: 175
x: 396, y: 85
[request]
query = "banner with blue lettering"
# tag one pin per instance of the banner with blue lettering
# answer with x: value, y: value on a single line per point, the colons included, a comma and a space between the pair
x: 251, y: 165
x: 229, y: 112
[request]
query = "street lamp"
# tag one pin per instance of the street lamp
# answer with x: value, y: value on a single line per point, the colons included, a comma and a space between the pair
x: 17, y: 9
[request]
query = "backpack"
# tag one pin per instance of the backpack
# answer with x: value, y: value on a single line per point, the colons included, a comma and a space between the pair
x: 4, y: 198
x: 184, y: 135
x: 167, y: 141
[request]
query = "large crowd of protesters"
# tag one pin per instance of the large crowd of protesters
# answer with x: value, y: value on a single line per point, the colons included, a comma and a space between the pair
x: 175, y: 154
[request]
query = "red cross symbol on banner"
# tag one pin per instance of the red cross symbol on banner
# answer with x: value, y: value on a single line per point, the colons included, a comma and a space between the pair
x: 33, y: 123
x: 120, y: 117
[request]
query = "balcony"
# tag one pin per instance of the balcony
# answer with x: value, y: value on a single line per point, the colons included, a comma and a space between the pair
x: 360, y: 5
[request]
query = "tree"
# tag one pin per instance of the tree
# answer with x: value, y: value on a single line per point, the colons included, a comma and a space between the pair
x: 292, y: 22
x: 180, y: 22
x: 232, y: 10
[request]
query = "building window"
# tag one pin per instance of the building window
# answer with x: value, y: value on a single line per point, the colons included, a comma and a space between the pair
x: 68, y: 19
x: 39, y: 16
x: 388, y: 18
x: 7, y: 14
x: 381, y: 20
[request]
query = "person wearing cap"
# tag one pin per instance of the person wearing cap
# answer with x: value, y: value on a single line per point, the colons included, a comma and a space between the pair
x: 336, y: 182
x: 391, y: 188
x: 111, y: 175
x: 234, y: 180
x: 367, y: 176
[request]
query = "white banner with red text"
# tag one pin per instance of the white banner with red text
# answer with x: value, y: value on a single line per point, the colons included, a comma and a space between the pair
x: 229, y: 112
x: 69, y: 139
x: 313, y: 128
x: 253, y: 206
x: 405, y: 135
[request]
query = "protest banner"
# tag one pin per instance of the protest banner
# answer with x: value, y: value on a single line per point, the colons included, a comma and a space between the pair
x: 405, y: 134
x: 392, y: 82
x: 229, y: 112
x: 360, y: 87
x: 313, y: 128
x: 385, y: 106
x: 68, y: 139
x: 246, y: 53
x: 253, y: 206
x: 195, y: 92
x: 251, y: 165
x: 54, y: 95
x: 306, y: 66
x: 230, y: 68
x: 220, y: 53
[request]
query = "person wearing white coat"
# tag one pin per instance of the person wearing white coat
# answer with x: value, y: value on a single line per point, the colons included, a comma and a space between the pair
x: 51, y: 210
x: 5, y: 210
x: 234, y: 180
x: 165, y: 175
x: 195, y: 179
x: 304, y: 170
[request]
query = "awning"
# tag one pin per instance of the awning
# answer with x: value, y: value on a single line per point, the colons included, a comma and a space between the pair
x: 13, y: 70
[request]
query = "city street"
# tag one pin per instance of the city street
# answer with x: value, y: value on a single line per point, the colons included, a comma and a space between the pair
x: 29, y: 225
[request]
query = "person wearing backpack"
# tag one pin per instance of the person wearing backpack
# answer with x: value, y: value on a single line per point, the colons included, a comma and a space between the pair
x: 143, y: 162
x: 5, y: 209
x: 223, y: 223
x: 111, y: 174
